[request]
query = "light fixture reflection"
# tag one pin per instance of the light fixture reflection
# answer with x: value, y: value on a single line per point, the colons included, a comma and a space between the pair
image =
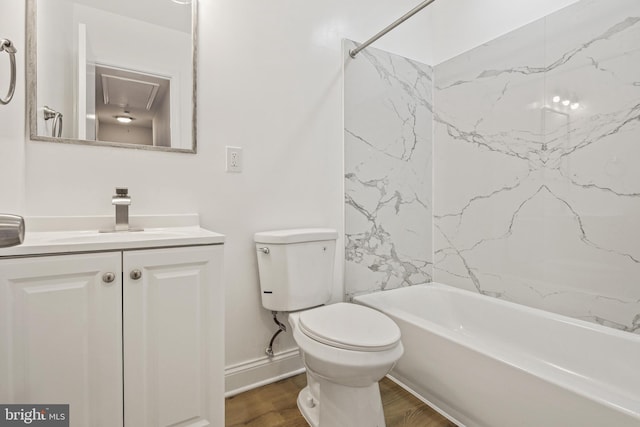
x: 124, y: 119
x: 564, y: 102
x: 182, y: 1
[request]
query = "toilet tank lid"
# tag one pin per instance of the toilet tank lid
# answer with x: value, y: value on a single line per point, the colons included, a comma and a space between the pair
x: 295, y: 235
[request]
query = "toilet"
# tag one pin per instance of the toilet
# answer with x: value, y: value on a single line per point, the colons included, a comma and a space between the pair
x: 346, y: 348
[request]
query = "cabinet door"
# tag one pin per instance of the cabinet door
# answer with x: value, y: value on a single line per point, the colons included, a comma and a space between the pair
x: 173, y: 337
x: 60, y: 335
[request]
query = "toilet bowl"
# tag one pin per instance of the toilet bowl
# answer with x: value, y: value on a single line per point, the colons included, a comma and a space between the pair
x: 346, y: 349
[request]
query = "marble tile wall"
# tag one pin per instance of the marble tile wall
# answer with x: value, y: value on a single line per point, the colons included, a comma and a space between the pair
x: 388, y: 148
x: 534, y: 201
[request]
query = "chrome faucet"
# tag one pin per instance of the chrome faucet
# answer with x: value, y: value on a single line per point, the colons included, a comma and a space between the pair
x: 122, y: 201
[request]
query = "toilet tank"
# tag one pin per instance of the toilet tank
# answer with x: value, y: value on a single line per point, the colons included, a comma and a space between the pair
x: 296, y: 267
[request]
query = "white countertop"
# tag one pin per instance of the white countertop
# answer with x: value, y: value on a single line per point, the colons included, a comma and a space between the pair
x: 62, y: 239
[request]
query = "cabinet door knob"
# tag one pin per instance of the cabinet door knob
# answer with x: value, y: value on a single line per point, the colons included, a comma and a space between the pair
x: 135, y: 274
x: 108, y: 277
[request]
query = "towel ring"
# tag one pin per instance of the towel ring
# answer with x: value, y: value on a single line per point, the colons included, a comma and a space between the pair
x: 7, y: 46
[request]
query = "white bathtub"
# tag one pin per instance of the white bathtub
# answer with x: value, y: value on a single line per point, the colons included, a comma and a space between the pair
x: 485, y: 362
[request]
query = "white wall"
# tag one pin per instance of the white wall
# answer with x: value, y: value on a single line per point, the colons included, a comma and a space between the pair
x: 59, y: 61
x: 270, y: 81
x: 272, y: 84
x: 130, y: 134
x: 12, y: 116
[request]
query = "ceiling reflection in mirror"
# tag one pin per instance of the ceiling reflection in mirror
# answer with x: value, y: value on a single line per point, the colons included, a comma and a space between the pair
x: 118, y: 72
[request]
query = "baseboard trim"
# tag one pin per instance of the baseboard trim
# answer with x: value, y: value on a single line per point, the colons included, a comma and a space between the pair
x: 263, y: 370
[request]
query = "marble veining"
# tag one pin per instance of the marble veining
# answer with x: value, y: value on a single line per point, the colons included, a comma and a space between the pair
x: 564, y: 59
x: 388, y: 174
x: 535, y: 201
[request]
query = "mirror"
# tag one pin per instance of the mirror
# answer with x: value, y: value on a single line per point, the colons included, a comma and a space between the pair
x: 117, y: 73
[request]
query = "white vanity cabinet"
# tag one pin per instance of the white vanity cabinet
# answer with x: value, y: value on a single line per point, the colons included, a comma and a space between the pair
x: 61, y: 335
x: 173, y: 337
x: 131, y: 337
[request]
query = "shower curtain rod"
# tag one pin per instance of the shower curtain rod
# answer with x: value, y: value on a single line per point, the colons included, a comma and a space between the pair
x: 418, y: 8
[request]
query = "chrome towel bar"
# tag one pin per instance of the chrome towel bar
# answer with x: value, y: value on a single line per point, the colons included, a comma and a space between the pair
x: 56, y: 116
x: 7, y: 46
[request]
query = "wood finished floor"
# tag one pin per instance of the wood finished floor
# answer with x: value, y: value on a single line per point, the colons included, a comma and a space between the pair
x: 274, y: 405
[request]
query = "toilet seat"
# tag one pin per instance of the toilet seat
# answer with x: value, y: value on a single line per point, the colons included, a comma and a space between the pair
x: 350, y: 327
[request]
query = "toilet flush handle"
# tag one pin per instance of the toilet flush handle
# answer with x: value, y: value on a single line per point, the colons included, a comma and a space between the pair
x: 264, y: 250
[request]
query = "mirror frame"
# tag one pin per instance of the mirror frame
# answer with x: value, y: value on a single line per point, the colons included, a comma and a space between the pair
x: 32, y: 81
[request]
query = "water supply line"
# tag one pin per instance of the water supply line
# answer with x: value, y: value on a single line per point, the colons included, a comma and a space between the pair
x: 282, y: 328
